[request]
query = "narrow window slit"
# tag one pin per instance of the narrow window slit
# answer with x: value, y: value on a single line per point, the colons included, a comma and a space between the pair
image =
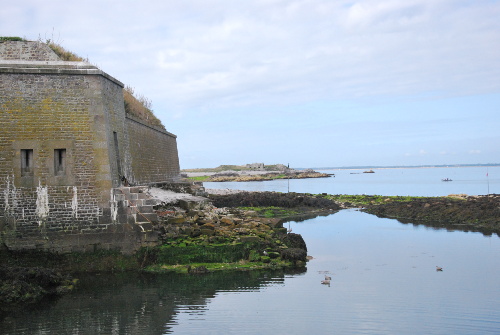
x: 59, y: 162
x: 26, y: 162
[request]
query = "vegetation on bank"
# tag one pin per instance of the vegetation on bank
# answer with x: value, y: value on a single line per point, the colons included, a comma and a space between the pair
x: 200, y: 268
x: 366, y: 200
x: 199, y: 178
x: 273, y: 211
x: 196, y: 256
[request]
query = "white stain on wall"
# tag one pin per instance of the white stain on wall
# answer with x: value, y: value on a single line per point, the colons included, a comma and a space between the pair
x: 74, y: 203
x: 114, y: 206
x: 6, y: 193
x: 10, y: 196
x: 42, y: 203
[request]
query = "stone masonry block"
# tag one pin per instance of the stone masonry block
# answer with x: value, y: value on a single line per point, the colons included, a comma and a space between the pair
x: 138, y: 189
x: 145, y: 209
x: 122, y: 218
x: 131, y: 219
x: 151, y: 217
x: 142, y: 196
x: 124, y: 190
x: 123, y: 211
x: 123, y: 203
x: 105, y: 219
x: 120, y: 197
x: 150, y: 202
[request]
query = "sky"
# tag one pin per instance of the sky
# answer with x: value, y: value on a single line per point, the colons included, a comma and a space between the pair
x: 309, y: 83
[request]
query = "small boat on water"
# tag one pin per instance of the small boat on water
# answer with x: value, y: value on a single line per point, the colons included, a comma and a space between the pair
x: 446, y: 179
x: 369, y: 171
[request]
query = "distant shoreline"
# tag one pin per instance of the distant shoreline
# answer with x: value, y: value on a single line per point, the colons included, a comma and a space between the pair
x: 404, y: 167
x: 209, y: 171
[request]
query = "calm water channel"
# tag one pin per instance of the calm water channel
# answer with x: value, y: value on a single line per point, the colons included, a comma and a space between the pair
x: 383, y: 282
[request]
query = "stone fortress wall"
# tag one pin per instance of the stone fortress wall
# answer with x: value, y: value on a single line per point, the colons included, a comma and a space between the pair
x: 66, y: 149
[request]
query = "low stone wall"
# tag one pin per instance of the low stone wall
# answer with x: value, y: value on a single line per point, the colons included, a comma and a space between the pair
x: 27, y: 51
x: 64, y: 225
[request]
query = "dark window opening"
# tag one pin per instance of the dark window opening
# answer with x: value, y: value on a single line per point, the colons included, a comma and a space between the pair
x: 26, y: 162
x: 59, y: 162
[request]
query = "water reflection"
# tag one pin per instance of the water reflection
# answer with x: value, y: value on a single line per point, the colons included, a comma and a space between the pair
x: 384, y: 281
x: 131, y: 303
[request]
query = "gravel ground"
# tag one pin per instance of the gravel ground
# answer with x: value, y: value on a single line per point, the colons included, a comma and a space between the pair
x: 222, y: 191
x: 171, y: 196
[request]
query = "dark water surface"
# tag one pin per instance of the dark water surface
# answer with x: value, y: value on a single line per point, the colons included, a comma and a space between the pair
x: 383, y: 282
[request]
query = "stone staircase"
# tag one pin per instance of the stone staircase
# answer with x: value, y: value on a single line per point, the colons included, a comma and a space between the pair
x: 135, y: 206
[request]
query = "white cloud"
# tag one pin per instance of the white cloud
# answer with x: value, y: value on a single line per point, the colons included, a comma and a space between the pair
x: 321, y: 51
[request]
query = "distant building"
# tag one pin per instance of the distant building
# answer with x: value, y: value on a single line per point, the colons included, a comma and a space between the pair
x: 281, y: 167
x: 69, y: 151
x: 256, y: 166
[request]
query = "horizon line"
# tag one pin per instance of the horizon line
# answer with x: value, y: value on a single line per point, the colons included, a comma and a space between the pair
x: 402, y: 166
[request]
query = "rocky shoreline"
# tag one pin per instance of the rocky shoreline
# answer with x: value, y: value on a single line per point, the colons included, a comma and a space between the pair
x: 236, y: 230
x: 454, y: 212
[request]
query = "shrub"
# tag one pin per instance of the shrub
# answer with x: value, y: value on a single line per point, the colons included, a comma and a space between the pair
x: 140, y: 107
x: 11, y: 38
x: 64, y: 54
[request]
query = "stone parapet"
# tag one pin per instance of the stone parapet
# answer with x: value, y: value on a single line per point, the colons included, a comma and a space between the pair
x: 54, y: 67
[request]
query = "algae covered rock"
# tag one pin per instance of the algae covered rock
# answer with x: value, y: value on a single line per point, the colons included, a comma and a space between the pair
x: 294, y: 254
x: 21, y: 285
